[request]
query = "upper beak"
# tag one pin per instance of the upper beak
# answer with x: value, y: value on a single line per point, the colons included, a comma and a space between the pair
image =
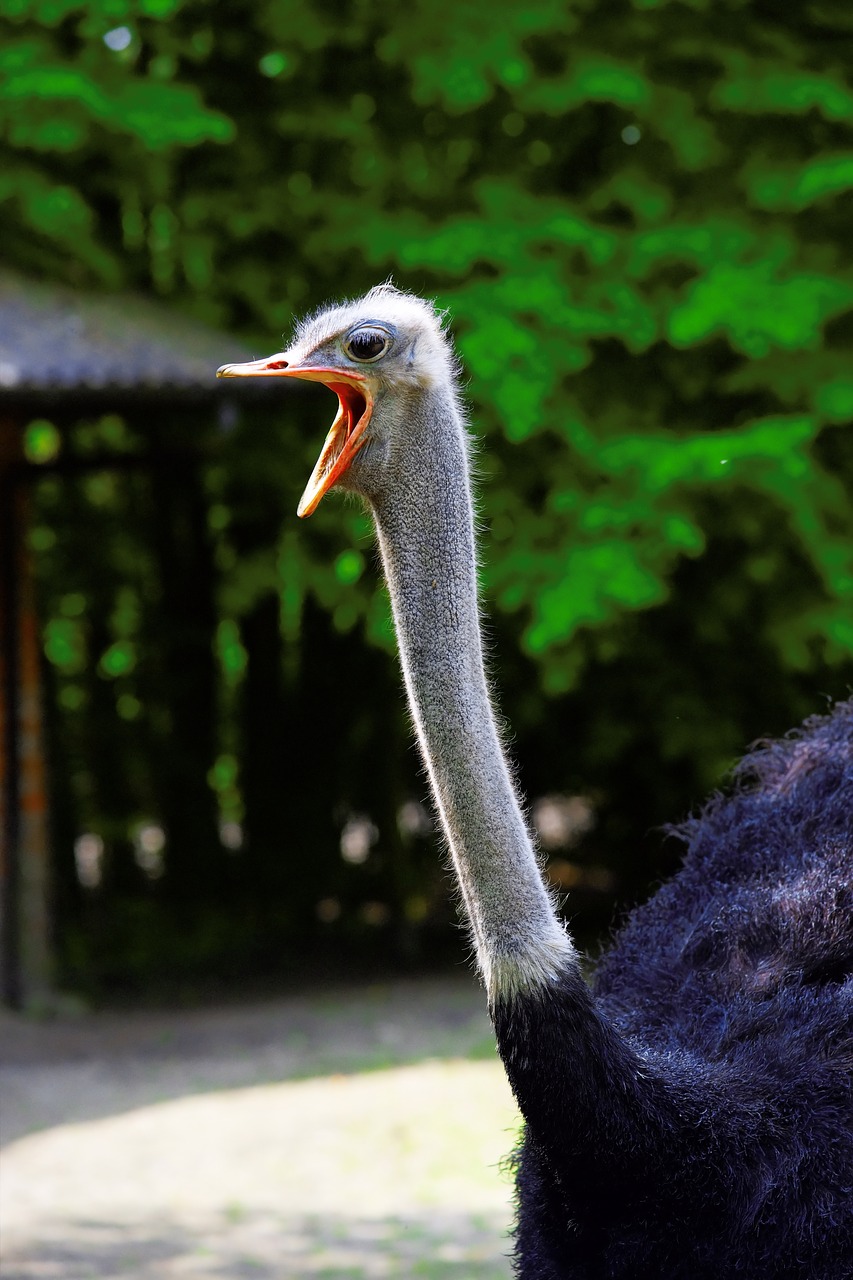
x: 346, y: 436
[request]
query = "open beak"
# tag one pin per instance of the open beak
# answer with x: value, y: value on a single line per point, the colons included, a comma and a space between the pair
x: 346, y: 435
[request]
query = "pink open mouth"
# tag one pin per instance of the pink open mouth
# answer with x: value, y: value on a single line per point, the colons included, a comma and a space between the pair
x: 346, y: 435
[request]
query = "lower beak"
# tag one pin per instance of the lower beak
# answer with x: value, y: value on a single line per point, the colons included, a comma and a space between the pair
x: 346, y: 435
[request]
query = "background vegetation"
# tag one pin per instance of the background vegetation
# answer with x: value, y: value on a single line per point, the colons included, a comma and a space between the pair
x: 637, y: 213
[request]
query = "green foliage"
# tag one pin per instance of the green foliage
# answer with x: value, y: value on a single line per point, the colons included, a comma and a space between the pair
x: 637, y: 213
x: 567, y: 179
x: 72, y: 96
x: 42, y: 441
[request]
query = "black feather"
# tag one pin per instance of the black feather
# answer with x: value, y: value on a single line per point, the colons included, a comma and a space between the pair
x: 692, y: 1115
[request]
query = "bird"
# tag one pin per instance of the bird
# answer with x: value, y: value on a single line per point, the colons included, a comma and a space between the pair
x: 688, y: 1112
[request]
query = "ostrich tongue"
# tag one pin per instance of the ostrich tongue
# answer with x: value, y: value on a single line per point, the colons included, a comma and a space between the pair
x: 346, y: 435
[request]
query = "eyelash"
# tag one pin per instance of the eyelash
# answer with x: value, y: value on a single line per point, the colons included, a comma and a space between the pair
x: 365, y: 338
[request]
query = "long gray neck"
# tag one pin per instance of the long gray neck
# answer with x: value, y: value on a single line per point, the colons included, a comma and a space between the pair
x: 426, y: 534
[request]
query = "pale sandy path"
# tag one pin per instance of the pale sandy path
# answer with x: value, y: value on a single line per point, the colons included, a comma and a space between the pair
x: 182, y: 1145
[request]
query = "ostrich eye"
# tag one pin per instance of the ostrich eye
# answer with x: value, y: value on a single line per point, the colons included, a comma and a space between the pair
x: 367, y: 344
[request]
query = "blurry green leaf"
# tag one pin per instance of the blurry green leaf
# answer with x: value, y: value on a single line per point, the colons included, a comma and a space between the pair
x: 168, y: 115
x: 41, y: 538
x: 796, y: 188
x: 230, y: 651
x: 757, y: 310
x: 72, y: 604
x: 593, y: 583
x: 118, y: 660
x: 835, y: 399
x: 589, y: 78
x: 224, y: 772
x: 72, y: 697
x: 349, y: 566
x: 128, y: 707
x: 273, y: 64
x: 42, y: 441
x: 786, y: 90
x: 64, y: 645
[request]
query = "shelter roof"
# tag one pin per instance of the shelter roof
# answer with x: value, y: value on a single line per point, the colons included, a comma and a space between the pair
x: 57, y: 341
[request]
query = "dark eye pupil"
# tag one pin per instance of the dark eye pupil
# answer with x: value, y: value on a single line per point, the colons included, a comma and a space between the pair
x: 366, y: 346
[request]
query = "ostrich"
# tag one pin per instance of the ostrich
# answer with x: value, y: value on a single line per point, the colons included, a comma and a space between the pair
x: 691, y: 1114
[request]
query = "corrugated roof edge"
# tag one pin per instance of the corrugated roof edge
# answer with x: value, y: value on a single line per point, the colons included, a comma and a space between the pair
x: 58, y: 342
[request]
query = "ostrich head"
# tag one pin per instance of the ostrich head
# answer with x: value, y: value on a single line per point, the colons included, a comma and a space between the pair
x: 381, y: 355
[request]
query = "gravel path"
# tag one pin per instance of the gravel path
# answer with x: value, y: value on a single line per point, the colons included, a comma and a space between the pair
x: 354, y: 1134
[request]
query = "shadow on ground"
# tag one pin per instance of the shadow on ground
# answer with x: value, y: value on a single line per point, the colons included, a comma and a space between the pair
x: 85, y: 1067
x: 359, y: 1133
x: 272, y: 1247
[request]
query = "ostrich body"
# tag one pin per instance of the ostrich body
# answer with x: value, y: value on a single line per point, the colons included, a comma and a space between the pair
x: 691, y: 1116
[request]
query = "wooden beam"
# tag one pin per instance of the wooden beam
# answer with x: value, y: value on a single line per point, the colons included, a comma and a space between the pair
x: 25, y: 924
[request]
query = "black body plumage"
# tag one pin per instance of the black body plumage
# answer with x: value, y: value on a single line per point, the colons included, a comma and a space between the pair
x: 692, y: 1115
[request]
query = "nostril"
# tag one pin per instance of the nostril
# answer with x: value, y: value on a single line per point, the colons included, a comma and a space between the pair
x: 277, y: 364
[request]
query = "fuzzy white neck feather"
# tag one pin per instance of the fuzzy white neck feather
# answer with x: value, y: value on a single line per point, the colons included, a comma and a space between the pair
x: 426, y: 535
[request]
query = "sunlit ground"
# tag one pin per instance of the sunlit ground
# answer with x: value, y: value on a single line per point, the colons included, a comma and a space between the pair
x: 392, y: 1171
